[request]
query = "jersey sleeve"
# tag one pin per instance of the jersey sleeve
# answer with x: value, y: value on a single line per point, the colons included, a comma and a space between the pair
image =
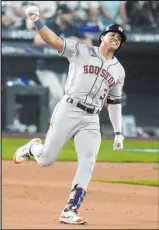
x: 69, y: 49
x: 117, y: 90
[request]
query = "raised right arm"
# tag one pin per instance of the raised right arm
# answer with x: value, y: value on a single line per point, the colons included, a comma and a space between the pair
x: 46, y: 34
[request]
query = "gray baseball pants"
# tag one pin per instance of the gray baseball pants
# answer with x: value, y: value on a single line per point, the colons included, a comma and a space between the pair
x: 68, y: 122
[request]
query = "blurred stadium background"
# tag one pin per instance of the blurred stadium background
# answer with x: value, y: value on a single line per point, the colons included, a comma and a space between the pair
x: 33, y: 75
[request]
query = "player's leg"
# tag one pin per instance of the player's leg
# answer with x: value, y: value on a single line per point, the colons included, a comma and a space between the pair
x: 87, y: 143
x: 55, y: 139
x: 47, y: 154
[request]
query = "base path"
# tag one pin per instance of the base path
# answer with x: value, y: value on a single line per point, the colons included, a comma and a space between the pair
x: 34, y: 196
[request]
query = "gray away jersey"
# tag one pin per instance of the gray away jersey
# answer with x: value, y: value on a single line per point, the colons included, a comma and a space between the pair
x: 91, y: 78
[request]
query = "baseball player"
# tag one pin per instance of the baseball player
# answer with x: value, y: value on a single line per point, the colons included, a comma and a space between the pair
x: 95, y: 76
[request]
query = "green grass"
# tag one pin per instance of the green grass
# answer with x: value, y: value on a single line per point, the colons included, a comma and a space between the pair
x: 9, y: 146
x: 154, y: 183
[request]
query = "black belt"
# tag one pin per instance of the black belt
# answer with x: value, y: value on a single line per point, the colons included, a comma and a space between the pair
x: 83, y: 107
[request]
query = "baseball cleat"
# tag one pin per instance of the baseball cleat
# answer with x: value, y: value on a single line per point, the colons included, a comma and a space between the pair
x: 23, y: 152
x: 70, y: 217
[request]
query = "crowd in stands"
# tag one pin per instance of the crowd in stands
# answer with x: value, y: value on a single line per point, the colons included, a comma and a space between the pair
x: 132, y: 15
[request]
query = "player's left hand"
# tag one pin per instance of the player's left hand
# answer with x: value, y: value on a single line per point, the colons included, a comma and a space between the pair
x: 118, y: 142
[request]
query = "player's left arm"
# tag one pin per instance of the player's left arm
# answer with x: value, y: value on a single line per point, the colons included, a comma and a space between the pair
x: 114, y: 108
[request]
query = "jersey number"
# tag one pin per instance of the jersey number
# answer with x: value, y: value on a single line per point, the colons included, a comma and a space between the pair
x: 104, y: 94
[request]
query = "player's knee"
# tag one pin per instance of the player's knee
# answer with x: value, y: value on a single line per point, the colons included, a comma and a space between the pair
x: 46, y: 160
x: 87, y: 166
x: 88, y: 160
x: 90, y: 157
x: 46, y: 163
x: 91, y: 165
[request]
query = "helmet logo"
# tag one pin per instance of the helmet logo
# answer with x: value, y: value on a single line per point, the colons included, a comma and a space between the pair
x: 120, y: 28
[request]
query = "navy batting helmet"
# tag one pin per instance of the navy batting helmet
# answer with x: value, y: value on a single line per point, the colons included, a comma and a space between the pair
x: 115, y: 28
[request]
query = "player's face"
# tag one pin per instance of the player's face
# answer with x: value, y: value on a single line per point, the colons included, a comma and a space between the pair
x: 112, y: 40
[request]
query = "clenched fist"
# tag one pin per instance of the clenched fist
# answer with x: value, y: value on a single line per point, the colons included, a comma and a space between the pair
x: 118, y: 142
x: 32, y: 12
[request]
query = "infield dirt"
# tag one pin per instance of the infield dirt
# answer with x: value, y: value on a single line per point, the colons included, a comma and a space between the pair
x: 34, y: 196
